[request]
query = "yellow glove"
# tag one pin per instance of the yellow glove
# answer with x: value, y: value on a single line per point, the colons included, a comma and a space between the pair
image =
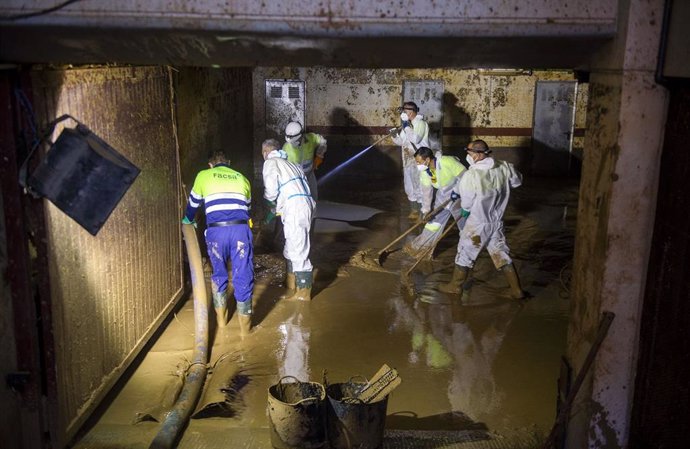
x: 318, y: 160
x: 250, y: 223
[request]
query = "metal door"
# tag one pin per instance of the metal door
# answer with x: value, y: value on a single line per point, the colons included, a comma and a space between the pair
x: 428, y: 95
x: 552, y: 131
x: 285, y: 102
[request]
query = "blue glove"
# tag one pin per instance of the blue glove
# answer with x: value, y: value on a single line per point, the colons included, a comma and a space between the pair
x: 186, y: 220
x: 454, y: 196
x: 405, y: 124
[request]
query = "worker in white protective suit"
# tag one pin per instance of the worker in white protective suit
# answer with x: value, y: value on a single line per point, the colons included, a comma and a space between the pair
x: 484, y: 192
x: 443, y: 174
x: 307, y: 150
x: 287, y: 191
x: 413, y: 134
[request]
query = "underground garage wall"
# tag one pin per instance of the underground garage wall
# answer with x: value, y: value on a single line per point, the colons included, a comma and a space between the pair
x: 109, y: 292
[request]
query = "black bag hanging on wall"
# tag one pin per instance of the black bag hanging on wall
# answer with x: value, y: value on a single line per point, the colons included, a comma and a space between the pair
x: 81, y: 174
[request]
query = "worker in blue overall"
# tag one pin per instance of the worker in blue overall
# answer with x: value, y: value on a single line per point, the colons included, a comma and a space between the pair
x: 226, y: 196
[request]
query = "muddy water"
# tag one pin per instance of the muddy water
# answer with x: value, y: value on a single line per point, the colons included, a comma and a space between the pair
x: 484, y: 362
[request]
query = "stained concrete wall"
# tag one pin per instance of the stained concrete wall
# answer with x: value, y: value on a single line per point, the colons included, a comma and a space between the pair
x: 353, y: 107
x: 618, y: 190
x: 109, y: 292
x: 213, y: 111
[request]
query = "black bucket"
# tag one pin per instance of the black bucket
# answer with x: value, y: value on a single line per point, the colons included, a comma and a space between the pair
x: 296, y: 414
x: 357, y: 424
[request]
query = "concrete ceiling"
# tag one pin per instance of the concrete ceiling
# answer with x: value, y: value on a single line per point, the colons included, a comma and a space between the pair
x: 375, y: 33
x: 73, y: 45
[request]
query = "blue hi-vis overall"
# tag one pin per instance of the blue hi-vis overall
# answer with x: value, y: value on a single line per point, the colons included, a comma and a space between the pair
x: 226, y: 195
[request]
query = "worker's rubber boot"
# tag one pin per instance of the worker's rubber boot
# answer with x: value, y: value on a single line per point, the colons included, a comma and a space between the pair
x: 455, y: 284
x: 245, y: 324
x: 414, y: 211
x: 244, y: 316
x: 516, y: 291
x: 303, y: 280
x: 220, y: 305
x: 289, y: 279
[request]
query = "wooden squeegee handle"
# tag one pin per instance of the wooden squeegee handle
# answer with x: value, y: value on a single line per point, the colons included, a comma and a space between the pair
x: 426, y: 219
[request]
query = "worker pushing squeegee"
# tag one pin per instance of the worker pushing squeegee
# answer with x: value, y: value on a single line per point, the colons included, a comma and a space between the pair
x: 442, y: 173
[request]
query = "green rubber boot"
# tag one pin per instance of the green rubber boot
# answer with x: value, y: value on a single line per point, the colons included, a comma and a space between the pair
x: 220, y: 305
x: 303, y: 281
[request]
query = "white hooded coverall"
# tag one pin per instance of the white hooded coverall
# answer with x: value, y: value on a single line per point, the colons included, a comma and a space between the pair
x: 484, y: 191
x: 286, y: 184
x: 417, y: 134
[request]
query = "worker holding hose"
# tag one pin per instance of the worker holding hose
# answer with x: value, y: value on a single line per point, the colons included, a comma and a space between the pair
x: 484, y: 192
x: 226, y: 196
x: 413, y: 133
x: 440, y: 173
x: 287, y: 190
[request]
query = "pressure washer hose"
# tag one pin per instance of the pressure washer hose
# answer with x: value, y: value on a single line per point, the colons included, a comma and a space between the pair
x: 178, y: 416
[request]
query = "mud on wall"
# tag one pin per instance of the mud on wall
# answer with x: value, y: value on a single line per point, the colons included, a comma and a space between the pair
x: 109, y: 292
x: 214, y: 111
x: 352, y: 107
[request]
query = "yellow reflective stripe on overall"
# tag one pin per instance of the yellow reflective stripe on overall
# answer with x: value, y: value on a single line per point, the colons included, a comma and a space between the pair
x: 432, y: 226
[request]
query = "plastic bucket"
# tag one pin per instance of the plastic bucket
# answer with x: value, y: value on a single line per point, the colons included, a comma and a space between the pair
x: 296, y: 414
x: 354, y: 425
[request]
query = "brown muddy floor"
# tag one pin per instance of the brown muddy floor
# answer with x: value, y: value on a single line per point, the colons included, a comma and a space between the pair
x: 480, y: 372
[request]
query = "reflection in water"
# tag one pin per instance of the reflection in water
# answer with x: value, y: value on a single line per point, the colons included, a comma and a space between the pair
x: 473, y: 387
x: 293, y: 353
x: 461, y: 340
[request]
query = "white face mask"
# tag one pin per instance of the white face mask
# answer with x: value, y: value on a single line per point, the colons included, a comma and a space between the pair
x: 469, y: 160
x: 404, y: 117
x: 294, y: 141
x: 421, y: 167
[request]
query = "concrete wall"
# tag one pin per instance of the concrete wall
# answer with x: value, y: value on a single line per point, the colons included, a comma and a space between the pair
x: 618, y: 195
x: 109, y: 292
x: 213, y: 110
x: 353, y: 107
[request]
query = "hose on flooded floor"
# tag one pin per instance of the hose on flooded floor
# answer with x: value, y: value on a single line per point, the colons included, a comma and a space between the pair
x: 196, y: 374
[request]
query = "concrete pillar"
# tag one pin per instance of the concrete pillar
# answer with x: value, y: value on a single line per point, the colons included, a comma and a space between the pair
x: 625, y: 124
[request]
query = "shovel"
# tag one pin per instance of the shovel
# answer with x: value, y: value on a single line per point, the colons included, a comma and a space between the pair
x: 381, y: 256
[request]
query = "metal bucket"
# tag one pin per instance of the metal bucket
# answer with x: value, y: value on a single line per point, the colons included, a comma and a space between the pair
x: 296, y: 414
x: 354, y: 425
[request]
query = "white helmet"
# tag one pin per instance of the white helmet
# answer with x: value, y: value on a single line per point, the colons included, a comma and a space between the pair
x: 293, y: 132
